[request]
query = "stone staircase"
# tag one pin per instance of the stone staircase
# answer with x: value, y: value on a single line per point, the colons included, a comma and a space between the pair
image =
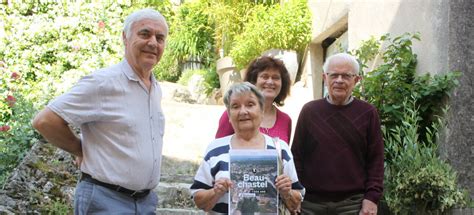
x: 173, y: 190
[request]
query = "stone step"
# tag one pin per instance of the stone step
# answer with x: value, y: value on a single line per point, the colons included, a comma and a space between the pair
x: 174, y: 195
x: 181, y: 211
x: 177, y: 170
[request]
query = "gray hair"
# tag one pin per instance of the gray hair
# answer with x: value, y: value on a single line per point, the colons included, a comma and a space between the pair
x: 138, y: 15
x: 347, y: 58
x: 241, y: 88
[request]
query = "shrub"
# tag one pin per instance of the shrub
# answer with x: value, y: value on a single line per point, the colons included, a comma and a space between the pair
x: 286, y: 26
x: 228, y: 19
x: 16, y: 111
x: 191, y: 36
x: 210, y: 79
x: 168, y: 69
x: 416, y: 179
x: 395, y: 80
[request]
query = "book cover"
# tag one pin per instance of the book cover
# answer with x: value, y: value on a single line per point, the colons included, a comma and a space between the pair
x: 253, y: 173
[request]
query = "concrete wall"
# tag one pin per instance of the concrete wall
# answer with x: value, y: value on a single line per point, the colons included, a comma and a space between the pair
x: 365, y: 18
x: 446, y: 44
x: 429, y: 17
x: 458, y: 144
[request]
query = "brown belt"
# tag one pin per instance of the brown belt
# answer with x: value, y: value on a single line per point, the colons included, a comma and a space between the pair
x: 137, y: 194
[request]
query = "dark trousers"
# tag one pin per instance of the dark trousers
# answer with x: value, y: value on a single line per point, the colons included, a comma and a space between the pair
x: 351, y: 205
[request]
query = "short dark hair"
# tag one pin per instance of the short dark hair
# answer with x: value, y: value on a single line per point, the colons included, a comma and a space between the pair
x: 263, y: 63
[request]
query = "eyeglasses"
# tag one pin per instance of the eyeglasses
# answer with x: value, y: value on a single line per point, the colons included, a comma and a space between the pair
x: 345, y: 76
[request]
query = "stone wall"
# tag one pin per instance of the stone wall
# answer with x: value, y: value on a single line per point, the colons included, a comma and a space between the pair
x: 45, y: 177
x: 457, y: 145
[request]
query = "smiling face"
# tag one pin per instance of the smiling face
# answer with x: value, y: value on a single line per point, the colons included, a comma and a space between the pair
x: 340, y: 80
x: 269, y: 82
x: 144, y: 47
x: 245, y: 112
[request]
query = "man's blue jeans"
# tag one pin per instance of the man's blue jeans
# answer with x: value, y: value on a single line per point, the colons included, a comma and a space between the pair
x: 94, y: 199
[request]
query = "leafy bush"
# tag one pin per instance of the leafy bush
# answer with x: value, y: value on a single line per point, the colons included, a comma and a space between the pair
x: 228, y: 19
x: 55, y: 48
x: 192, y: 34
x: 16, y: 111
x: 395, y: 80
x: 416, y: 179
x: 168, y: 69
x: 286, y: 26
x: 210, y: 79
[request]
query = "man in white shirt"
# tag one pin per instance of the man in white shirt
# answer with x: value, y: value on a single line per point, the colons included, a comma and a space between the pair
x: 118, y: 110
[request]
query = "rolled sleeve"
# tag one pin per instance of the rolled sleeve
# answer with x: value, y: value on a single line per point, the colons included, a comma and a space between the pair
x: 81, y: 104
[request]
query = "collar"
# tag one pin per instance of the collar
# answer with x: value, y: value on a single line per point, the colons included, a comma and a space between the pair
x: 131, y: 75
x: 348, y: 100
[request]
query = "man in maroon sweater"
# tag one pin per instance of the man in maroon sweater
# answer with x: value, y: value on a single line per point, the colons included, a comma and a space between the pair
x: 338, y: 146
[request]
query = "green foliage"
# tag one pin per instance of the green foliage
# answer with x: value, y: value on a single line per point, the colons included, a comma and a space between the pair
x: 192, y: 34
x: 58, y: 207
x: 416, y: 179
x: 395, y: 80
x: 191, y: 37
x: 367, y: 51
x: 168, y: 69
x: 286, y: 26
x: 188, y: 74
x: 54, y: 49
x: 16, y: 111
x: 211, y: 81
x: 228, y: 18
x: 50, y: 45
x: 209, y: 76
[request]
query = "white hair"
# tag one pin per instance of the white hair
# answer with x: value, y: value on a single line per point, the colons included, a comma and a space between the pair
x: 241, y: 88
x: 138, y: 15
x: 347, y: 58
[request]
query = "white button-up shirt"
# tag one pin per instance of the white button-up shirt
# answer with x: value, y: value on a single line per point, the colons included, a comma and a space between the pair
x: 122, y: 126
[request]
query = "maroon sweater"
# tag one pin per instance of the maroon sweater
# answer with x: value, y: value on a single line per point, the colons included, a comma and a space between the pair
x: 338, y: 151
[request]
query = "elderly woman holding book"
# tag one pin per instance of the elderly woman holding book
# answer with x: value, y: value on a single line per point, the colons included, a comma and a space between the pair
x: 244, y: 103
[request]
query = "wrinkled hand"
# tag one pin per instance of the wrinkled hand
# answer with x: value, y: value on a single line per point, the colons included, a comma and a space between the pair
x: 222, y: 186
x: 283, y: 184
x: 368, y: 208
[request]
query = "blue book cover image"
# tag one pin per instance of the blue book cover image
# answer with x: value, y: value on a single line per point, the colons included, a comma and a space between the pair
x: 253, y: 173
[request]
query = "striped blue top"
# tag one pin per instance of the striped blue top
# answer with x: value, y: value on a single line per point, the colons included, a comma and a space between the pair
x: 215, y: 165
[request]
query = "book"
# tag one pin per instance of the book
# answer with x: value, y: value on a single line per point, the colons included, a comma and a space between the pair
x: 253, y: 173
